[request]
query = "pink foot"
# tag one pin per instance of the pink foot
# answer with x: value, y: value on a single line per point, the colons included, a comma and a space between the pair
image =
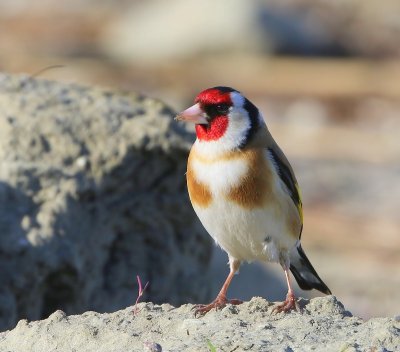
x: 289, y: 304
x: 219, y: 303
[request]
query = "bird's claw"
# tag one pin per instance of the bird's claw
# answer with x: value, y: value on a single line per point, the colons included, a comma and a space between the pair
x: 290, y: 303
x: 218, y: 303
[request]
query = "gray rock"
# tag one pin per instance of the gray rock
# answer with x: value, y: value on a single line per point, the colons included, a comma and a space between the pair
x: 323, y: 325
x: 92, y: 193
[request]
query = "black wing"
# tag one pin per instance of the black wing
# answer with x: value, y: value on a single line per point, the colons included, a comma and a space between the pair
x: 286, y: 174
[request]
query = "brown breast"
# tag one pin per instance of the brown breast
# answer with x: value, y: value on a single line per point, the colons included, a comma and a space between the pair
x: 255, y: 188
x: 199, y: 193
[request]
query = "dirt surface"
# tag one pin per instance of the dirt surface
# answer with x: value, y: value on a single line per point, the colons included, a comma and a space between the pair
x: 322, y: 325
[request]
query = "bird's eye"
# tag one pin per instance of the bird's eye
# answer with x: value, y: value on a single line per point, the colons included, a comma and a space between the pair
x: 222, y: 108
x: 215, y: 110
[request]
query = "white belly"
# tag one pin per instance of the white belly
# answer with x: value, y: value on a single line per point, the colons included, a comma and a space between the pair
x: 257, y: 234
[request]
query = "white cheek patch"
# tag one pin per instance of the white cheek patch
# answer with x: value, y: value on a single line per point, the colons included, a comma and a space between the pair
x: 237, y: 99
x: 239, y: 124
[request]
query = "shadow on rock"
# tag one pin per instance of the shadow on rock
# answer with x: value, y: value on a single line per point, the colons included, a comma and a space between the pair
x: 93, y: 193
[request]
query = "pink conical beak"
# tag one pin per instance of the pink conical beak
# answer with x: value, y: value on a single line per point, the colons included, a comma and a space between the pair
x: 193, y: 114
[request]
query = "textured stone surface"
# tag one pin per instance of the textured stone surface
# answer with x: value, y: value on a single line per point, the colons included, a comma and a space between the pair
x: 92, y: 193
x: 323, y: 325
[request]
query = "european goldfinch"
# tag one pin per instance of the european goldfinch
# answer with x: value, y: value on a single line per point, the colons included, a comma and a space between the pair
x: 244, y: 191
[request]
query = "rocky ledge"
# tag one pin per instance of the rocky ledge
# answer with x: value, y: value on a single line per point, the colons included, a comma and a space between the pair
x: 322, y: 325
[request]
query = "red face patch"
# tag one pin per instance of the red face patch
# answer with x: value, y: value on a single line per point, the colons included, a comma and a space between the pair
x: 214, y: 130
x: 218, y: 124
x: 213, y: 96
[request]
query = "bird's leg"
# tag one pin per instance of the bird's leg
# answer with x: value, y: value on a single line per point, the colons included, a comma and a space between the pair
x: 221, y: 301
x: 290, y: 302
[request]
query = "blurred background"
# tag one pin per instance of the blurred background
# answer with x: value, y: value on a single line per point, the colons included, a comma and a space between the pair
x: 325, y: 74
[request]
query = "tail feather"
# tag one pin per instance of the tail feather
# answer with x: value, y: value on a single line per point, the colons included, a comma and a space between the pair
x: 304, y: 273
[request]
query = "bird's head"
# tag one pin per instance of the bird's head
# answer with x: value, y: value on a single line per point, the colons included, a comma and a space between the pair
x: 225, y: 120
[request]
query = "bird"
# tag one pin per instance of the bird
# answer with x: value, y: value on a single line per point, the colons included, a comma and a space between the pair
x: 244, y: 192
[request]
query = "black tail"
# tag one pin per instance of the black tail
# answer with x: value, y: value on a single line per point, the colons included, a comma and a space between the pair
x: 304, y: 273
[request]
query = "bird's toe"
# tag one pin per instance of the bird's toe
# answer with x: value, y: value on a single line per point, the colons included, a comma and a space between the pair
x: 290, y: 303
x: 219, y: 303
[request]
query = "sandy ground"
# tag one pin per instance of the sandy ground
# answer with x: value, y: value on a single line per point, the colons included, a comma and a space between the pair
x: 322, y: 325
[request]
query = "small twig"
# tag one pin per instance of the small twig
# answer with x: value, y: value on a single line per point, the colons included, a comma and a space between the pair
x: 48, y: 68
x: 140, y: 292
